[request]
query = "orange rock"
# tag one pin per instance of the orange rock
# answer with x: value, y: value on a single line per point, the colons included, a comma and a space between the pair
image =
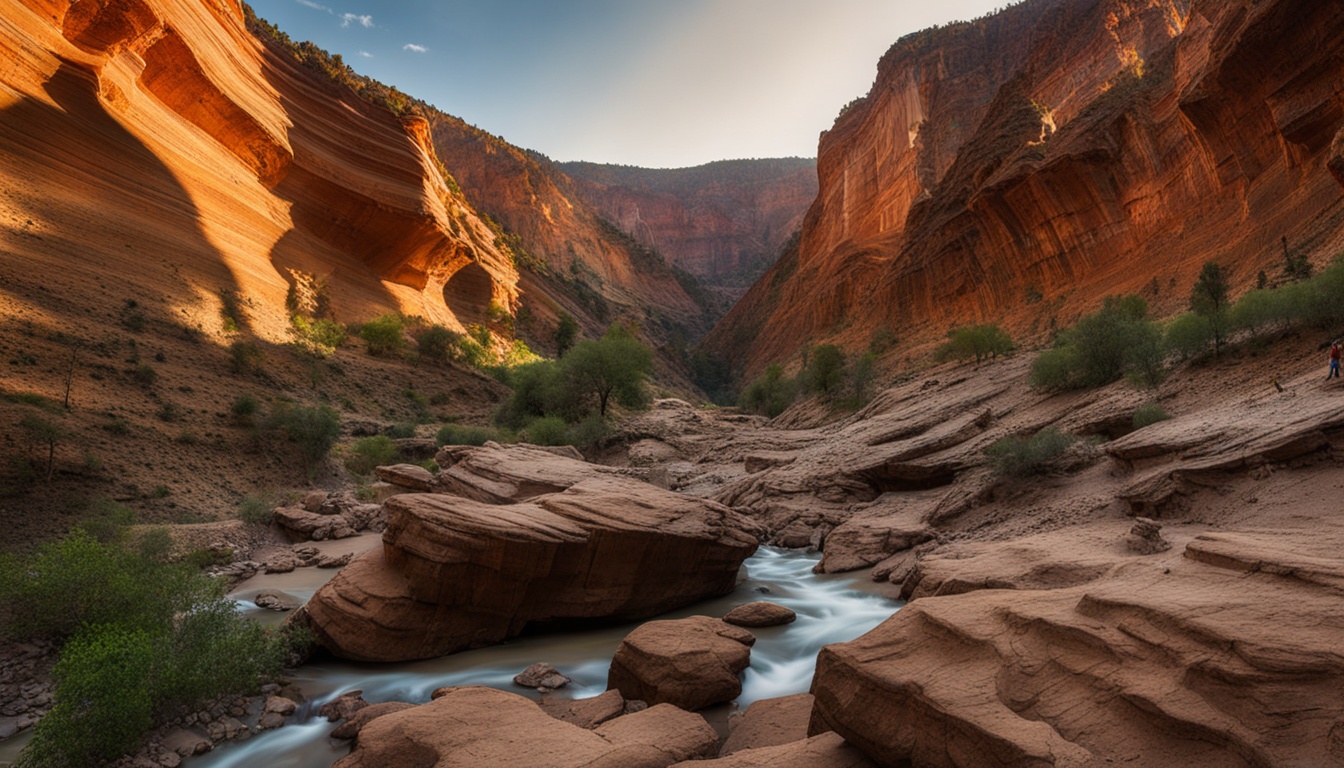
x: 691, y: 663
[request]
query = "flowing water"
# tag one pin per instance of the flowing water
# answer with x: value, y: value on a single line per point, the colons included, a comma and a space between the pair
x: 831, y: 608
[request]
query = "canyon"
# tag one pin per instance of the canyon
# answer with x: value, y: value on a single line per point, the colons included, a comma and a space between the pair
x: 178, y: 177
x: 1017, y: 168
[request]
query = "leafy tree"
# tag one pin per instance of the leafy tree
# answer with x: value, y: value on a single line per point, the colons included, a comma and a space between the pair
x: 614, y: 366
x: 982, y: 342
x: 1208, y: 299
x: 769, y: 394
x: 1188, y: 335
x: 313, y: 429
x: 861, y: 375
x: 1103, y: 347
x: 566, y: 331
x: 825, y: 369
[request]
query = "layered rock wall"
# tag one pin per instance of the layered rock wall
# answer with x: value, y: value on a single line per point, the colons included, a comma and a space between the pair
x: 1018, y: 168
x: 164, y: 144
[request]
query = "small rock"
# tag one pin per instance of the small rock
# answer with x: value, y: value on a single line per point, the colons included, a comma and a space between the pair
x: 351, y: 728
x: 314, y: 501
x: 760, y: 614
x: 333, y: 561
x: 275, y: 601
x: 280, y: 705
x: 1145, y: 538
x: 343, y: 706
x: 270, y: 721
x: 281, y: 564
x: 169, y: 759
x: 541, y: 676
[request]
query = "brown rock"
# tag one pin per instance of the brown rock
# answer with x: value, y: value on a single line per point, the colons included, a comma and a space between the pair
x: 416, y: 448
x: 691, y: 663
x: 333, y: 561
x: 760, y: 614
x: 486, y: 728
x: 541, y: 676
x: 350, y: 728
x: 343, y: 707
x: 302, y: 525
x: 406, y: 476
x: 281, y: 564
x: 186, y: 741
x: 279, y: 705
x: 586, y: 713
x: 770, y: 722
x: 755, y: 462
x: 649, y: 550
x: 314, y: 500
x: 269, y: 721
x: 276, y: 601
x: 826, y: 750
x: 497, y: 474
x: 1145, y: 538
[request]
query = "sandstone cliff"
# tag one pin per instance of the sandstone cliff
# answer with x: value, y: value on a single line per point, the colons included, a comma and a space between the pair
x: 1018, y: 168
x: 159, y: 144
x: 723, y: 222
x: 572, y: 259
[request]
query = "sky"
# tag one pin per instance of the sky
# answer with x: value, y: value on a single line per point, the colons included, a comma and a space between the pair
x: 653, y: 83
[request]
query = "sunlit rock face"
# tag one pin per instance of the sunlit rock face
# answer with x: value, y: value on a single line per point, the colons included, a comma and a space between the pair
x: 169, y: 146
x: 1020, y: 167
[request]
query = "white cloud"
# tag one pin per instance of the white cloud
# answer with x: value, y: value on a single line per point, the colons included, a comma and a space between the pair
x: 366, y: 54
x: 364, y: 21
x: 415, y: 48
x: 314, y: 6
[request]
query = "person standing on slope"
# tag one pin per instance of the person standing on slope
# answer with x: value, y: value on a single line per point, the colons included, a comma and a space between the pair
x: 1334, y: 361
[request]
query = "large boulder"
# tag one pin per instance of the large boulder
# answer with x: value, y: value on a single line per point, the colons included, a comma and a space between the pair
x: 503, y: 474
x: 454, y: 573
x: 486, y: 728
x: 769, y: 723
x: 692, y: 662
x: 825, y: 750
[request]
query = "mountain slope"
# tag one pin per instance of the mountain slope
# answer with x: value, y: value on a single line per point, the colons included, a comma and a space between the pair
x: 723, y: 222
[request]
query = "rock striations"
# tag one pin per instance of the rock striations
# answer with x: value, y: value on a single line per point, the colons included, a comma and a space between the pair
x: 1017, y: 168
x: 456, y: 572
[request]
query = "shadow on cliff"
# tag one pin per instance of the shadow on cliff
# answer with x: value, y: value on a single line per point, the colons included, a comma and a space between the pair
x: 105, y: 202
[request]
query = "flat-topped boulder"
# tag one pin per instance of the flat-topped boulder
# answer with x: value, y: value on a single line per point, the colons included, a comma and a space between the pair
x: 486, y: 728
x: 454, y: 573
x: 826, y: 750
x: 692, y: 663
x: 1195, y: 660
x: 412, y: 476
x: 760, y: 613
x: 769, y: 723
x: 504, y: 474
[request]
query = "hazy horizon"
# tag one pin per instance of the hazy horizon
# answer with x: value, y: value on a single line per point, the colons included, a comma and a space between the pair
x: 627, y: 82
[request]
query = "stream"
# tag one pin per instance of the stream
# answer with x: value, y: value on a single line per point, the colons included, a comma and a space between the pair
x: 831, y: 608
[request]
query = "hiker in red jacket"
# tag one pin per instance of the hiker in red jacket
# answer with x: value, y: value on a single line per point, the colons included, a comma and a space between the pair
x: 1334, y: 361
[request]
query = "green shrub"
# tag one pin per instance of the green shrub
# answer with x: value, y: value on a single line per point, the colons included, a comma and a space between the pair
x: 435, y: 343
x: 383, y: 334
x: 230, y: 310
x: 1103, y: 347
x: 1022, y: 456
x: 587, y: 433
x: 256, y: 511
x: 566, y: 332
x: 320, y: 336
x: 370, y: 452
x: 245, y: 357
x: 454, y: 434
x: 313, y: 429
x: 1189, y: 335
x: 547, y: 430
x: 144, y: 375
x: 1149, y: 413
x: 769, y: 394
x: 981, y: 342
x: 244, y: 410
x: 401, y: 431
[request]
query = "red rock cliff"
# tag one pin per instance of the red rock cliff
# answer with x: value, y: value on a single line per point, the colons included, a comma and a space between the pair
x: 1018, y: 168
x: 723, y: 222
x: 160, y: 146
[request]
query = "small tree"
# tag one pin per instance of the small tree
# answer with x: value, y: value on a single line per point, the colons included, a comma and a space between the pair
x: 770, y: 394
x: 566, y: 331
x: 861, y: 375
x: 825, y: 370
x: 1208, y: 299
x: 614, y: 366
x: 43, y: 433
x: 982, y: 342
x: 435, y: 343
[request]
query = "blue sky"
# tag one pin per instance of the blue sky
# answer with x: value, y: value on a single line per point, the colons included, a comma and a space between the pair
x: 657, y: 83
